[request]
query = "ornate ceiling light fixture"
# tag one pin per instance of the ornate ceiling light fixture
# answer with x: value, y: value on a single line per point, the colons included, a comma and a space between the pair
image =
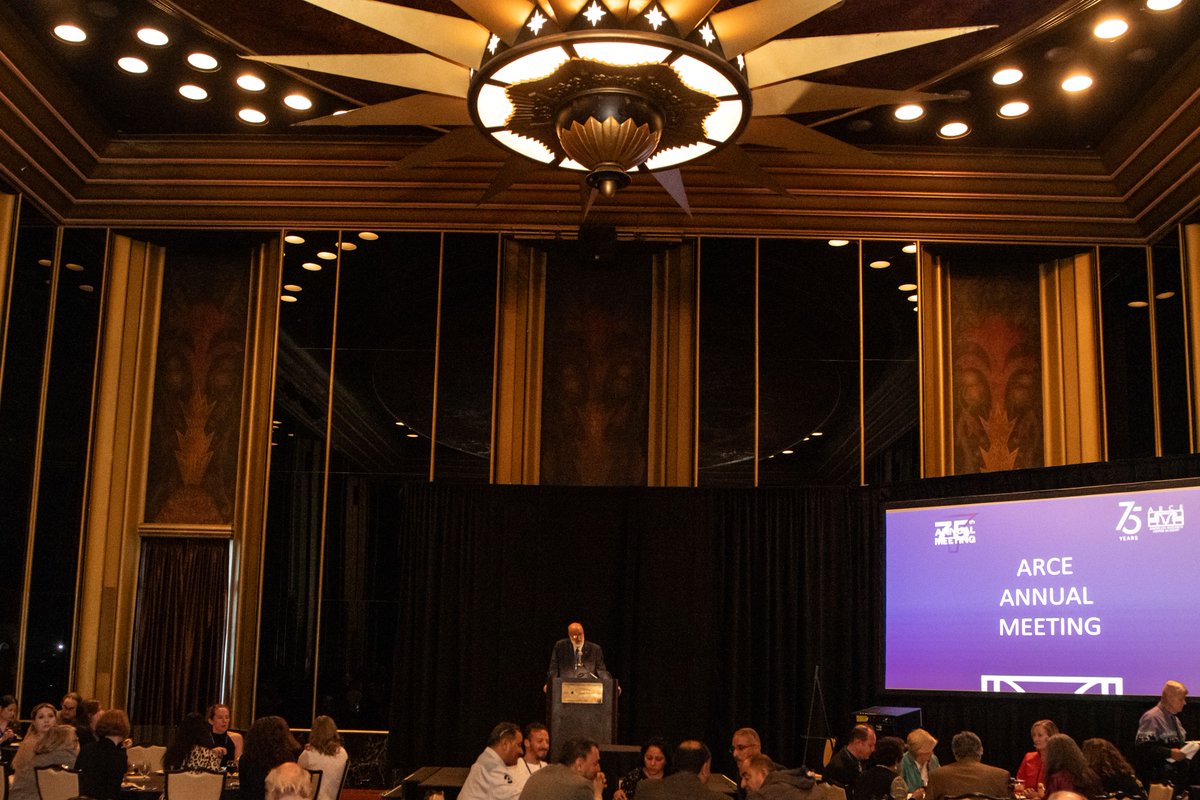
x: 610, y: 87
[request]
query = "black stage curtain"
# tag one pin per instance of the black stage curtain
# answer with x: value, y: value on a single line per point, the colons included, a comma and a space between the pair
x: 179, y: 628
x: 714, y: 608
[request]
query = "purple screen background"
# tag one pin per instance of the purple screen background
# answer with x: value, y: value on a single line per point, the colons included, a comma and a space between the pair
x: 943, y: 601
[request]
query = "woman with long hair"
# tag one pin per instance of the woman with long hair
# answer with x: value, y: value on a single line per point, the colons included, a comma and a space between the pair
x: 269, y: 743
x: 8, y: 718
x: 1067, y: 769
x: 226, y: 742
x: 58, y: 746
x: 1116, y: 774
x: 324, y: 751
x: 1032, y: 772
x: 192, y: 746
x: 45, y: 717
x: 656, y: 764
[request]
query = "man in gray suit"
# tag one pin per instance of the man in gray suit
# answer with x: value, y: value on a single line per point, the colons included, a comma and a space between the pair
x: 693, y: 765
x: 576, y: 776
x: 967, y: 774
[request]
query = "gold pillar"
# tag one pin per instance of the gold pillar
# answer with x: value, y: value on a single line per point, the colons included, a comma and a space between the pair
x: 262, y: 335
x: 1072, y: 381
x: 10, y: 209
x: 936, y: 368
x: 108, y: 578
x: 1190, y: 264
x: 671, y: 451
x: 516, y: 435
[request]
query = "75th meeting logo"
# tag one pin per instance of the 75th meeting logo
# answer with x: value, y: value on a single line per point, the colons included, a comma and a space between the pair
x: 1158, y: 519
x: 951, y: 532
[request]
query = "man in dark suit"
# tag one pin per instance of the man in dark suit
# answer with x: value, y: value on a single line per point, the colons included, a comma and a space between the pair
x: 575, y: 657
x: 967, y: 773
x: 576, y: 776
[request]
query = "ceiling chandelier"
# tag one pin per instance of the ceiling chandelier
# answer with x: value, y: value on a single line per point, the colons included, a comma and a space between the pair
x: 612, y: 87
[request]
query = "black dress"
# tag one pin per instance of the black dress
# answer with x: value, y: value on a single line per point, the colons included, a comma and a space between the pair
x: 101, y: 765
x: 226, y: 741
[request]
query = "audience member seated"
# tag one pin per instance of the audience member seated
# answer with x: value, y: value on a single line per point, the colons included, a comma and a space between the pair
x: 324, y: 751
x: 290, y: 781
x: 73, y: 711
x: 576, y: 776
x: 918, y: 761
x: 8, y: 718
x: 58, y: 746
x: 1066, y: 768
x: 537, y: 747
x: 269, y: 743
x: 45, y: 717
x: 967, y: 773
x: 693, y: 764
x: 94, y: 710
x: 883, y: 780
x: 655, y: 766
x: 746, y: 743
x: 1115, y: 773
x: 1031, y: 773
x: 852, y: 760
x: 489, y: 778
x: 1160, y: 735
x: 102, y: 763
x: 226, y: 742
x: 190, y: 749
x: 761, y: 780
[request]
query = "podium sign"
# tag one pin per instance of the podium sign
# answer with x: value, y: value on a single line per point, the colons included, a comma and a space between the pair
x: 582, y: 707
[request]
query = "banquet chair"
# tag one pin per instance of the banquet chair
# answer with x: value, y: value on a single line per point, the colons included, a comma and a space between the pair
x: 56, y: 783
x: 194, y: 785
x: 315, y: 781
x: 154, y: 756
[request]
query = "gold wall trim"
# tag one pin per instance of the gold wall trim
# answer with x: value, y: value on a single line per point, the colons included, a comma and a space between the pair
x: 254, y: 459
x: 757, y: 344
x: 116, y: 494
x: 10, y: 215
x: 1190, y: 264
x: 937, y: 385
x: 437, y: 355
x: 1154, y: 389
x: 671, y: 451
x: 518, y: 403
x: 495, y: 356
x: 1072, y: 377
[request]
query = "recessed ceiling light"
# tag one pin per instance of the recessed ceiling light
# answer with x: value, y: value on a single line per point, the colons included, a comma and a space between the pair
x: 1164, y: 295
x: 400, y: 423
x: 193, y: 92
x: 45, y: 262
x: 909, y: 113
x: 293, y: 238
x: 203, y: 62
x: 1017, y: 108
x: 287, y: 298
x: 86, y: 287
x: 297, y: 102
x: 912, y: 298
x: 368, y: 236
x: 1007, y: 76
x: 328, y: 256
x: 1077, y: 82
x: 251, y: 83
x: 75, y: 267
x: 411, y: 435
x: 915, y: 308
x: 909, y: 248
x: 838, y: 242
x: 311, y: 266
x: 153, y: 37
x: 786, y: 452
x: 72, y: 34
x: 134, y: 66
x: 880, y: 264
x: 1138, y: 304
x: 907, y: 287
x: 954, y: 130
x: 293, y: 287
x: 252, y: 116
x: 1111, y: 28
x: 347, y: 246
x: 341, y: 111
x: 817, y: 433
x: 1162, y: 5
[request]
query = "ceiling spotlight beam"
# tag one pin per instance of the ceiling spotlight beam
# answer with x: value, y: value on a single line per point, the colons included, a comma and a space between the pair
x: 505, y: 18
x: 460, y: 40
x: 419, y: 71
x: 798, y: 97
x: 785, y: 134
x: 784, y: 59
x: 418, y: 109
x: 687, y: 14
x: 743, y: 28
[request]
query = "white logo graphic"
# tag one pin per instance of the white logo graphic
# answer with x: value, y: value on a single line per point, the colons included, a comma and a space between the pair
x: 1165, y: 519
x: 954, y: 531
x: 1130, y: 522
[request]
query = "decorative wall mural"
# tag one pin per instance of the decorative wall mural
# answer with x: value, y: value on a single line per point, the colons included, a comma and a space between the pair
x: 996, y: 347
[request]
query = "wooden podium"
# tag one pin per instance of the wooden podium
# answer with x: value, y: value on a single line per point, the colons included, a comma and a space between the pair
x: 582, y: 707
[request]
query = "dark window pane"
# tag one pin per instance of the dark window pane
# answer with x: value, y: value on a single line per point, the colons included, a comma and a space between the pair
x: 1128, y: 377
